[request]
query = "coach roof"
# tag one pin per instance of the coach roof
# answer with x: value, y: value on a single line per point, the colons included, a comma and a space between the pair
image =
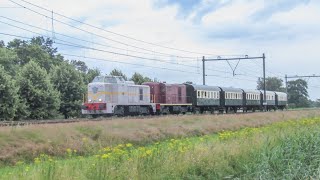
x: 204, y: 87
x: 230, y: 89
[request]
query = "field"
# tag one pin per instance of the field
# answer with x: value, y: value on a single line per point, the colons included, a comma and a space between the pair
x: 281, y: 145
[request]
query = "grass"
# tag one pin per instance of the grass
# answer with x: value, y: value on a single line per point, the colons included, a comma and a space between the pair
x: 281, y: 150
x: 25, y: 143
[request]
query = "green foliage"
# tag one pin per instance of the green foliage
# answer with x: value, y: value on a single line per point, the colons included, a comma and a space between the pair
x: 80, y: 66
x: 45, y: 44
x: 38, y: 50
x: 188, y: 82
x: 9, y: 60
x: 298, y: 93
x: 69, y: 82
x: 283, y: 150
x: 37, y: 91
x: 38, y: 98
x: 92, y: 73
x: 272, y: 84
x: 117, y: 72
x: 2, y: 44
x: 138, y: 78
x: 9, y: 101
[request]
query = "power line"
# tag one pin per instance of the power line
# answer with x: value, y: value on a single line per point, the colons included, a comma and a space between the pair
x: 101, y: 59
x: 118, y: 34
x: 116, y: 41
x: 100, y: 44
x: 225, y: 77
x: 95, y: 49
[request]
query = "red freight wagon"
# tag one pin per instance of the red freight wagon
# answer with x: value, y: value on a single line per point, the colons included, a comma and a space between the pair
x: 173, y: 93
x: 155, y: 95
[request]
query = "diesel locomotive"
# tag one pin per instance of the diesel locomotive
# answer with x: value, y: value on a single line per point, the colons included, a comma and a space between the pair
x: 112, y: 95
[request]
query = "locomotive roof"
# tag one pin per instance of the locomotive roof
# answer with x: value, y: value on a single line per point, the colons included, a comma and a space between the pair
x: 230, y: 89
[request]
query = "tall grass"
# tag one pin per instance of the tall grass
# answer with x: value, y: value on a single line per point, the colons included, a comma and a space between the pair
x: 283, y: 150
x: 28, y: 142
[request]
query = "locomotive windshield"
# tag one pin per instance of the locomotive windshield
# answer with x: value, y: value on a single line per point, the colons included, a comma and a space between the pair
x: 108, y: 79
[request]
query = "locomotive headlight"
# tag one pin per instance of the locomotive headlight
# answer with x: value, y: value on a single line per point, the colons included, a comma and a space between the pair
x: 100, y: 100
x: 90, y: 100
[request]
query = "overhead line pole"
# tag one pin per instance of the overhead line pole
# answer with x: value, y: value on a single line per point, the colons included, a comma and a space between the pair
x: 296, y: 76
x: 203, y: 71
x: 263, y: 57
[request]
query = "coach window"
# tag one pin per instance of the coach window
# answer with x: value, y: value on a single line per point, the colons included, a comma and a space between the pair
x: 198, y: 94
x: 141, y: 94
x: 179, y: 94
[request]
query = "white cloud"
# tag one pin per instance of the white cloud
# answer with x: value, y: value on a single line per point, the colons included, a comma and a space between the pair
x: 229, y: 29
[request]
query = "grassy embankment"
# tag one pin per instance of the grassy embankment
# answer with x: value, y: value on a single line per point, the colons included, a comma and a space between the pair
x: 281, y: 150
x: 23, y: 144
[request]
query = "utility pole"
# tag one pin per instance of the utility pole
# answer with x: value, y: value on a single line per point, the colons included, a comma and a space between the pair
x: 264, y: 83
x: 203, y: 71
x: 296, y: 76
x: 286, y: 79
x: 263, y: 57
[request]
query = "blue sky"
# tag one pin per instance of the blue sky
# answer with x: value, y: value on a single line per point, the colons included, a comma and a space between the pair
x: 286, y: 30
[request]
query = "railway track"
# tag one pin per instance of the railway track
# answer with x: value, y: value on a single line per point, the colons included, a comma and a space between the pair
x: 62, y: 121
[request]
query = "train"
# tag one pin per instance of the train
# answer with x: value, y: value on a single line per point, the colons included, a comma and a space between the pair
x: 113, y: 95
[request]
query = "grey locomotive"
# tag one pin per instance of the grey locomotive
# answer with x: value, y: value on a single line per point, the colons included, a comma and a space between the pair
x: 113, y: 95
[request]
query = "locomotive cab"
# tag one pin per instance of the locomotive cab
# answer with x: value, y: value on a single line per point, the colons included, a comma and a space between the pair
x: 114, y: 95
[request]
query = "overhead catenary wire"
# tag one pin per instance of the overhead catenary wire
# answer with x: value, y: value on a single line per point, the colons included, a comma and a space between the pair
x: 111, y: 32
x: 66, y: 43
x: 83, y: 40
x: 86, y: 31
x: 102, y: 59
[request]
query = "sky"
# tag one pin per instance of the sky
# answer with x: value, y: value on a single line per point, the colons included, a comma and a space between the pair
x: 168, y: 38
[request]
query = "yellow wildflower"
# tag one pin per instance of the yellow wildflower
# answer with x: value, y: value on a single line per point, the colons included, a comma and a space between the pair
x: 148, y: 152
x: 37, y: 160
x: 105, y: 156
x: 129, y: 145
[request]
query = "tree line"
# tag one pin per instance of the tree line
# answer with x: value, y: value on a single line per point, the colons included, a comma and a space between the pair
x: 36, y: 82
x: 298, y: 96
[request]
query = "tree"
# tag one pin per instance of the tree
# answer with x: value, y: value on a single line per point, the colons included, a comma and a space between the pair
x: 272, y: 84
x: 69, y: 82
x: 9, y: 60
x: 92, y: 73
x: 45, y: 44
x: 188, y: 82
x: 37, y: 91
x: 138, y: 78
x: 9, y: 101
x: 38, y: 49
x: 2, y: 45
x: 317, y: 103
x: 298, y: 93
x: 80, y: 66
x: 117, y: 72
